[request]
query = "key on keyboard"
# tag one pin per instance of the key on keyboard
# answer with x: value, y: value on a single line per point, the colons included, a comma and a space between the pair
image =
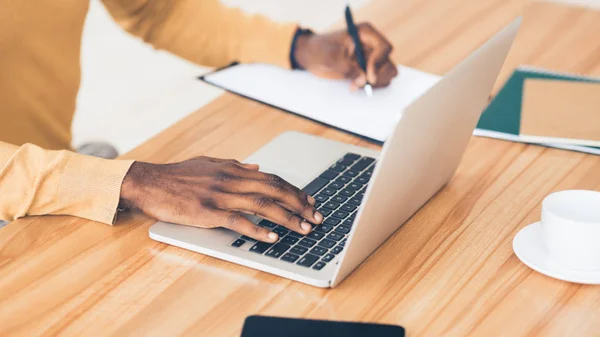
x: 340, y: 214
x: 319, y: 265
x: 346, y: 193
x: 299, y: 250
x: 315, y: 186
x: 324, y: 228
x: 260, y: 247
x: 315, y: 235
x: 308, y: 260
x: 354, y: 186
x: 362, y: 164
x: 338, y: 167
x: 348, y: 208
x: 328, y: 191
x: 238, y: 243
x: 335, y: 185
x: 342, y: 229
x: 278, y: 250
x: 335, y: 236
x: 281, y: 231
x: 339, y: 199
x: 331, y: 205
x: 289, y: 240
x: 289, y: 257
x: 295, y: 235
x: 328, y: 257
x: 329, y: 175
x: 306, y: 242
x: 332, y: 221
x: 351, y: 173
x: 325, y: 211
x: 267, y: 224
x: 326, y: 243
x: 318, y: 250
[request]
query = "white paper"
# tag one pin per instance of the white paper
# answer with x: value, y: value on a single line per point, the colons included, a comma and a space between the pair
x: 327, y: 101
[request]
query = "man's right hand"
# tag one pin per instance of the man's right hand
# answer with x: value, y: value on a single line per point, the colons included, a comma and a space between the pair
x: 208, y: 192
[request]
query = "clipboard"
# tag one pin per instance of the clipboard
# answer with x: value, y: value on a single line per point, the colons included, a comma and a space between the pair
x: 327, y: 102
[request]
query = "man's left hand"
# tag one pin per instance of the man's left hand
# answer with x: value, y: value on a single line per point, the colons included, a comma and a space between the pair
x: 332, y: 55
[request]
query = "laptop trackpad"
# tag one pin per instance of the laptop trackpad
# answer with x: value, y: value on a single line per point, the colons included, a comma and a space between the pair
x: 297, y: 158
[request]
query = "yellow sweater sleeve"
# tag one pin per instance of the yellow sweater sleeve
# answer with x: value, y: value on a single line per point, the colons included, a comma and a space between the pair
x: 34, y: 181
x: 205, y: 31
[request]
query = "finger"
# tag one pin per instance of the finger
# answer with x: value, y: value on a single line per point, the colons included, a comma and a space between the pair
x: 238, y: 223
x: 269, y: 179
x: 380, y: 46
x: 232, y: 161
x: 386, y: 74
x: 374, y: 62
x: 279, y: 191
x: 293, y: 198
x: 266, y: 208
x: 253, y: 167
x: 217, y: 160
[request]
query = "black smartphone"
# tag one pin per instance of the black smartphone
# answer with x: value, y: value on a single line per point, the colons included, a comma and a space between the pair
x: 265, y: 326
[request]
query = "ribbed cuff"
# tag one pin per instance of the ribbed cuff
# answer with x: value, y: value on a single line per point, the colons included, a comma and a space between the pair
x: 91, y: 187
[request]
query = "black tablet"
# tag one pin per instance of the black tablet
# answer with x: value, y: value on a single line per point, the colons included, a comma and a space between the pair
x: 263, y: 326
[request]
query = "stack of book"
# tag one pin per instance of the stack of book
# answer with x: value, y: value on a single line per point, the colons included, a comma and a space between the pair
x: 547, y: 108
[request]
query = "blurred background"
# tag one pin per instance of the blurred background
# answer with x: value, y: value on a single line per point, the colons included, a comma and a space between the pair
x: 130, y: 92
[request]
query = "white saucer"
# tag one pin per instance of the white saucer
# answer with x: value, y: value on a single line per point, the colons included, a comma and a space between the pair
x: 530, y: 249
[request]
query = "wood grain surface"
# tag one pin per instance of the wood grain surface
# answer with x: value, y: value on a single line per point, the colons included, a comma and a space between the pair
x: 450, y: 271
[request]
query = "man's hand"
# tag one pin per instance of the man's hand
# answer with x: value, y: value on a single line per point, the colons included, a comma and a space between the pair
x: 208, y: 192
x: 332, y: 56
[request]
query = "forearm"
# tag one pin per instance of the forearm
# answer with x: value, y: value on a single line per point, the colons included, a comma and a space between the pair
x: 34, y: 181
x: 205, y: 31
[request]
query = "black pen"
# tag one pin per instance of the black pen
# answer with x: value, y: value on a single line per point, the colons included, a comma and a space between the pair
x: 360, y: 56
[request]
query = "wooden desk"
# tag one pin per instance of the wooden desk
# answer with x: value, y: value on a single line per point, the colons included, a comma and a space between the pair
x: 450, y: 271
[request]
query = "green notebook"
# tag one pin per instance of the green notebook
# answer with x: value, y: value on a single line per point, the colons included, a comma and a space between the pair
x: 502, y: 118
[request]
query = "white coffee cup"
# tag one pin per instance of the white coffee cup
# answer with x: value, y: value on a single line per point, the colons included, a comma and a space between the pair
x: 571, y: 228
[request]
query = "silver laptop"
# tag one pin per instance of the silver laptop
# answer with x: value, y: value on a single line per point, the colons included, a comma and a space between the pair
x: 364, y: 195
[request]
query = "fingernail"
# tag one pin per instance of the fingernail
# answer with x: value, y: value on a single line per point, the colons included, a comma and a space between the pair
x: 318, y: 217
x: 306, y: 226
x: 273, y: 236
x: 311, y: 200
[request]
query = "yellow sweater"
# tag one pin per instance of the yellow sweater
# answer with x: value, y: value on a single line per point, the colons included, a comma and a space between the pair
x: 39, y: 79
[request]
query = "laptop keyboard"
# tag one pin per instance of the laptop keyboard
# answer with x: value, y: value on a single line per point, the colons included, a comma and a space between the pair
x: 338, y: 192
